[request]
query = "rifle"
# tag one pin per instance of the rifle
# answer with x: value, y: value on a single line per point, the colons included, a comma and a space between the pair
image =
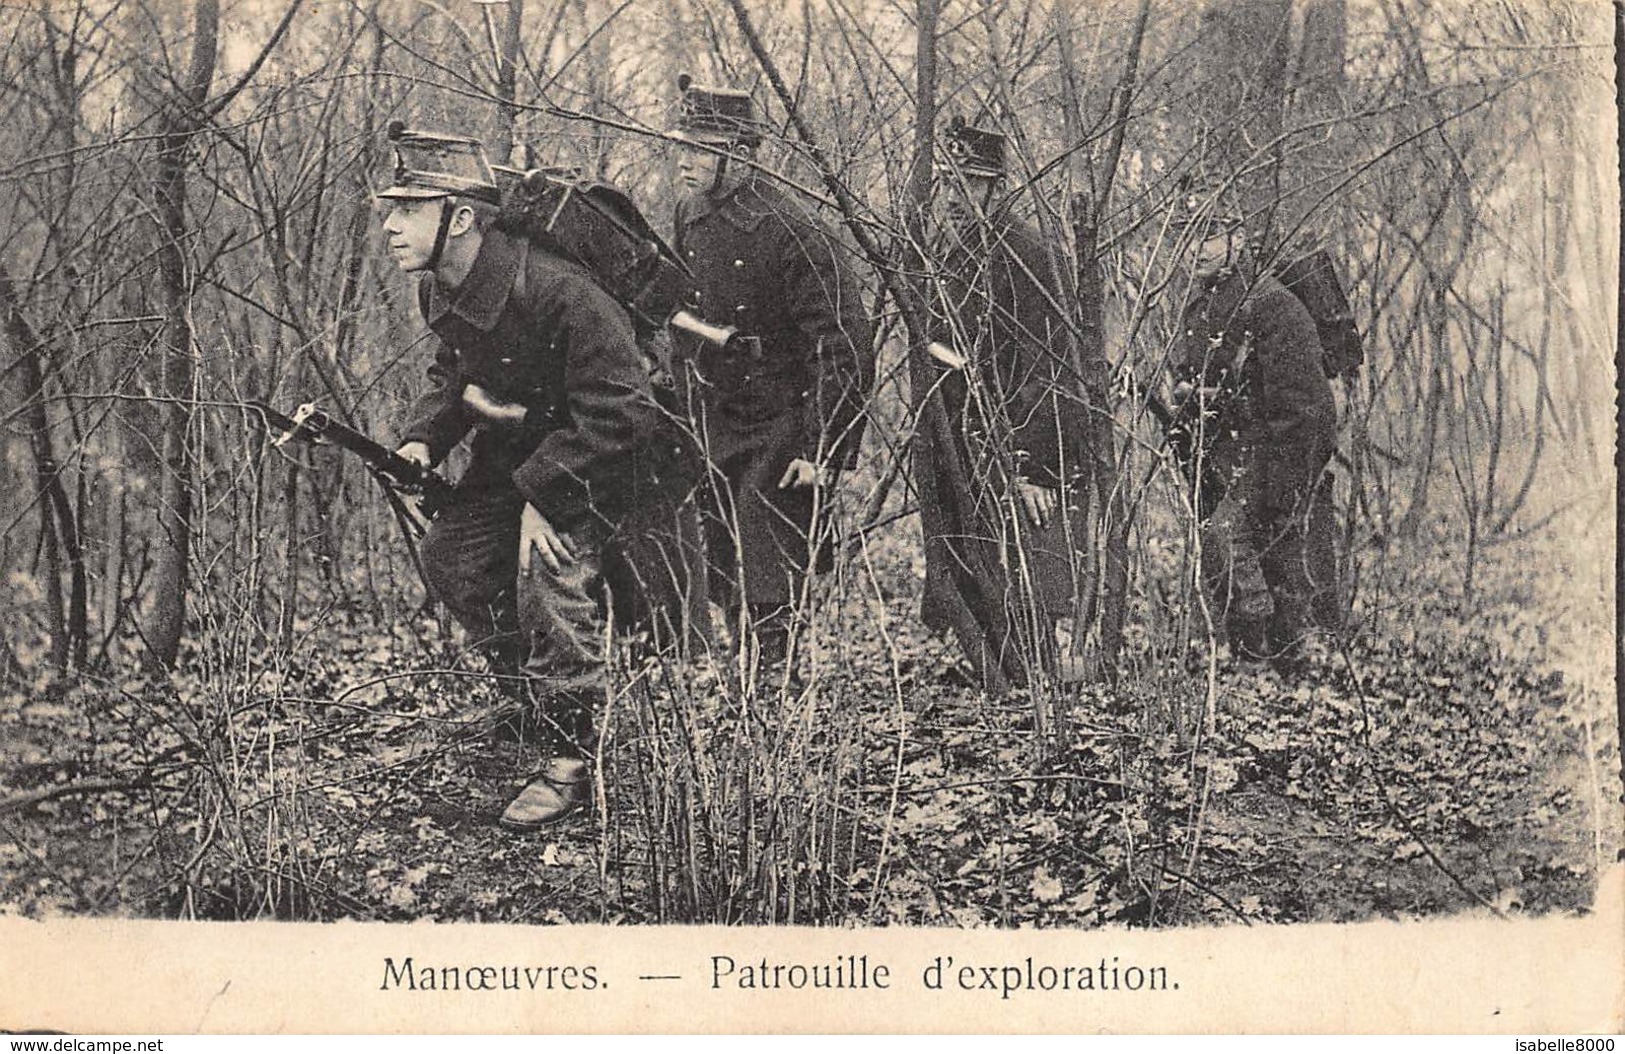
x: 311, y: 424
x: 1181, y: 439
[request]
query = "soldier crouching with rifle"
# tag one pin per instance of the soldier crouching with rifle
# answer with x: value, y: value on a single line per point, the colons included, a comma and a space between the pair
x: 774, y: 359
x: 541, y: 366
x: 1258, y: 416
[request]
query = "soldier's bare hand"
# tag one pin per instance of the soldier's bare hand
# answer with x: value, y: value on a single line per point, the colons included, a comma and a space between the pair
x: 1038, y: 502
x: 538, y: 540
x: 1185, y: 390
x: 800, y: 473
x: 415, y: 452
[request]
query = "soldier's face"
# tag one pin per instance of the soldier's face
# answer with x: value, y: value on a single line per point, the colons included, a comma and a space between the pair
x: 411, y: 225
x: 966, y: 197
x: 1213, y: 252
x: 697, y: 169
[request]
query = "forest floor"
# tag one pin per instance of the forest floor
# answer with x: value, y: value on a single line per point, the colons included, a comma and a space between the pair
x: 1459, y: 754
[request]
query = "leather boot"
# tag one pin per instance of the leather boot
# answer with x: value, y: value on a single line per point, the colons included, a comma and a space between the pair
x: 1287, y: 653
x: 560, y: 788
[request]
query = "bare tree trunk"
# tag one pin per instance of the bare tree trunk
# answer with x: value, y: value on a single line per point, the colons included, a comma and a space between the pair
x: 508, y: 83
x: 1106, y: 474
x: 972, y: 604
x: 58, y: 524
x: 11, y: 670
x: 1432, y: 412
x: 1243, y: 92
x: 1323, y: 54
x: 1320, y: 89
x: 113, y: 539
x: 290, y: 564
x: 179, y: 369
x: 62, y: 187
x: 1091, y: 198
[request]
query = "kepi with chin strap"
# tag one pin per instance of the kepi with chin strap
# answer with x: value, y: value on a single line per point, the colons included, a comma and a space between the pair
x: 973, y: 151
x: 431, y: 165
x: 715, y: 116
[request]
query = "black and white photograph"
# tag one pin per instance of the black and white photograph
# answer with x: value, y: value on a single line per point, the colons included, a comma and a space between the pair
x: 809, y: 466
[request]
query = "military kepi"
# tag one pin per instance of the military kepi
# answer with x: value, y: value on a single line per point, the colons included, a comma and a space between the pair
x: 975, y: 151
x: 430, y: 165
x: 715, y: 115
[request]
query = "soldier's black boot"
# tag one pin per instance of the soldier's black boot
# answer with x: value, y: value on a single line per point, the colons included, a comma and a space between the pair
x: 510, y: 720
x: 1290, y: 663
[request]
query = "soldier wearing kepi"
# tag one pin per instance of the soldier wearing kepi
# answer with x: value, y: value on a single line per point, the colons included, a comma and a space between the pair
x: 779, y: 409
x: 1014, y: 398
x: 541, y: 367
x: 1257, y: 408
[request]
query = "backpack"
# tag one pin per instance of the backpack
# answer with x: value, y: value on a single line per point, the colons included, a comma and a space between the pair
x: 1313, y: 280
x: 598, y: 226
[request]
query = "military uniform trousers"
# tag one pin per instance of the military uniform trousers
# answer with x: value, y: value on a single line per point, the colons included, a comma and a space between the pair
x: 1271, y: 572
x: 547, y: 628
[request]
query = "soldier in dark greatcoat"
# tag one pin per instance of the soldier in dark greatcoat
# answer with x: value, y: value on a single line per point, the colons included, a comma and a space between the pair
x: 1002, y: 565
x: 1259, y: 413
x: 541, y: 367
x: 778, y: 410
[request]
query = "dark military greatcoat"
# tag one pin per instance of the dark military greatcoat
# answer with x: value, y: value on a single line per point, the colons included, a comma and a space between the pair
x: 1268, y: 427
x: 532, y: 328
x: 763, y: 264
x: 1015, y: 413
x: 998, y: 305
x: 1251, y: 339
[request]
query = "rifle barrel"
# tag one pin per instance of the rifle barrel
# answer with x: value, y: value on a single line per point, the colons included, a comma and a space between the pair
x: 311, y: 424
x: 1181, y: 443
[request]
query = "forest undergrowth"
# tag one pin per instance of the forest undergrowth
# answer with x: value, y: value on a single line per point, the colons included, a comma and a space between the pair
x: 1457, y: 753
